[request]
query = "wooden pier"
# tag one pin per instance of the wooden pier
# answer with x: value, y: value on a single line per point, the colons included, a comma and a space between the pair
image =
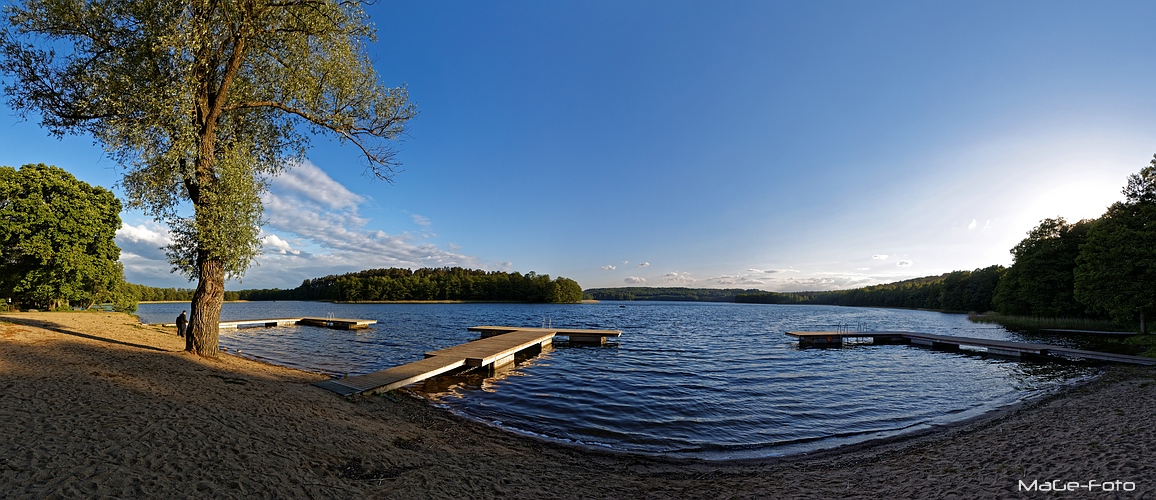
x: 496, y: 348
x: 338, y: 323
x: 574, y: 336
x: 952, y: 343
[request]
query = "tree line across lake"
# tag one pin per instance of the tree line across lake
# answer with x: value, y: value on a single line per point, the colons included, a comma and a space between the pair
x: 427, y: 284
x: 399, y: 285
x: 956, y: 291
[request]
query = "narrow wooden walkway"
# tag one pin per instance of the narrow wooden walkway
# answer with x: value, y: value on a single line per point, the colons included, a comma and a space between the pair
x: 573, y: 335
x: 493, y: 350
x: 338, y: 323
x: 948, y: 342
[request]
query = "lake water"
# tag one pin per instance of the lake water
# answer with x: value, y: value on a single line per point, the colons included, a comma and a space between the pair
x: 710, y: 380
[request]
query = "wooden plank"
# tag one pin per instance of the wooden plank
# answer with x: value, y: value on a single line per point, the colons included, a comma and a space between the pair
x: 345, y: 323
x: 998, y: 347
x: 259, y: 322
x: 565, y: 332
x: 485, y: 351
x: 401, y: 376
x: 499, y: 348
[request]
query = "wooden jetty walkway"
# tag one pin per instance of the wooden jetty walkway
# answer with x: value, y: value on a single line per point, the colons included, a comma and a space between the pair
x: 952, y: 343
x: 338, y: 323
x: 496, y: 348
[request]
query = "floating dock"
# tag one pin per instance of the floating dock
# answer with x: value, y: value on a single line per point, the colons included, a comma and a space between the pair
x: 338, y: 323
x: 496, y: 348
x: 952, y: 343
x: 574, y: 336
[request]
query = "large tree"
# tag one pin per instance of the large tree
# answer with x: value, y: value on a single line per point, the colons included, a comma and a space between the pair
x: 202, y: 102
x: 1116, y: 268
x: 56, y: 238
x: 1040, y: 281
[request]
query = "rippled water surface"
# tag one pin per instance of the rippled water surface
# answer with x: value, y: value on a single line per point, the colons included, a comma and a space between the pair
x: 711, y: 380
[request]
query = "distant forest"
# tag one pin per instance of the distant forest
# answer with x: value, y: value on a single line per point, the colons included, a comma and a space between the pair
x: 957, y: 291
x: 387, y: 285
x: 667, y: 293
x: 960, y: 291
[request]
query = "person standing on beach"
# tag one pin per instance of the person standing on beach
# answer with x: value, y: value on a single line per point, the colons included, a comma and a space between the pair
x: 182, y: 323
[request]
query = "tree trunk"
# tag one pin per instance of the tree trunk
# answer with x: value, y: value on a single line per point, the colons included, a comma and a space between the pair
x: 205, y: 317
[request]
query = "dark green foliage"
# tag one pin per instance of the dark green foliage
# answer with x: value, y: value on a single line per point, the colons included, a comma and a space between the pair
x: 667, y: 293
x: 56, y: 239
x: 958, y: 291
x: 1116, y: 269
x: 1041, y: 281
x: 449, y: 283
x: 144, y: 293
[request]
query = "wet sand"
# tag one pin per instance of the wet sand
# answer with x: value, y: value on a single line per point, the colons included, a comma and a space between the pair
x: 97, y: 405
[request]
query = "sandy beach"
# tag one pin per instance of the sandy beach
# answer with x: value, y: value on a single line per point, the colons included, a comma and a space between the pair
x: 97, y: 405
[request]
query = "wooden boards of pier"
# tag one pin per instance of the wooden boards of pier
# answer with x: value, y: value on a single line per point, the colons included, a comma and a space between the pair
x: 573, y: 335
x: 338, y: 323
x: 492, y: 350
x: 953, y: 343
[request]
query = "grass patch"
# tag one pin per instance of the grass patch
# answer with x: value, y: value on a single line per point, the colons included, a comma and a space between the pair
x: 1146, y: 343
x: 1038, y: 323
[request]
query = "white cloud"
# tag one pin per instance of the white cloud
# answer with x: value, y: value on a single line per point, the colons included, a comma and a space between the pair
x: 678, y: 278
x: 148, y: 237
x: 644, y: 264
x: 973, y: 224
x: 609, y: 267
x: 880, y: 256
x: 740, y: 279
x: 143, y: 257
x: 635, y: 280
x: 768, y: 271
x: 314, y: 229
x: 308, y: 182
x: 905, y: 263
x: 274, y: 244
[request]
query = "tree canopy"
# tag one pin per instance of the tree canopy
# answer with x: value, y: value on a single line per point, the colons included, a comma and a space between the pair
x: 202, y: 102
x: 1040, y: 281
x: 958, y: 291
x: 56, y: 238
x: 448, y: 283
x: 1116, y: 268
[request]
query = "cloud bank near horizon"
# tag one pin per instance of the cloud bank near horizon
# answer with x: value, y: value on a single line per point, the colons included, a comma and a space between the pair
x: 313, y: 228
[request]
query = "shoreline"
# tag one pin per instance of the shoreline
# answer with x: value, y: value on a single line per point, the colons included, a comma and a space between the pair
x: 98, y: 406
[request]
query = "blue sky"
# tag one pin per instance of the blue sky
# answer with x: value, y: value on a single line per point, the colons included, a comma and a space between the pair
x: 772, y: 145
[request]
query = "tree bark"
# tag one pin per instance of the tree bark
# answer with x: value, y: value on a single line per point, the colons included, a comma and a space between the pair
x: 204, y: 322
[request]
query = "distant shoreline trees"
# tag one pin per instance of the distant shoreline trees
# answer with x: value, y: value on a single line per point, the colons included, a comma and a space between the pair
x: 957, y: 291
x: 402, y: 285
x: 667, y: 293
